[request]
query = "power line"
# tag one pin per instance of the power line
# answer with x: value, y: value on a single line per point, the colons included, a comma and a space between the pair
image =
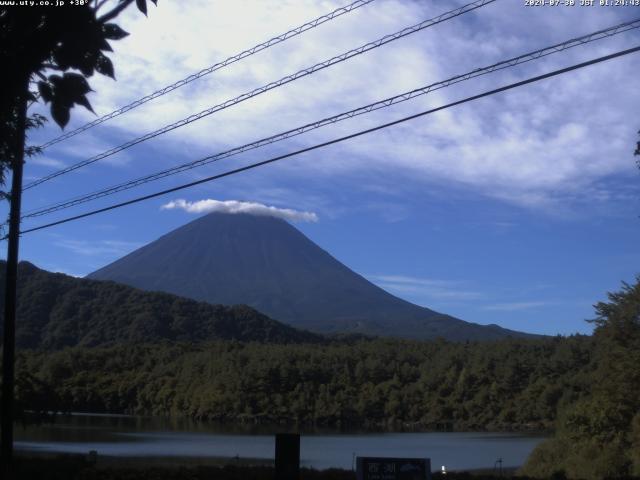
x: 206, y: 71
x: 605, y: 33
x: 283, y: 81
x: 338, y: 140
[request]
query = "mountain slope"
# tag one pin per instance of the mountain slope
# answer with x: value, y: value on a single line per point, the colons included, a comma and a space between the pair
x: 268, y: 264
x: 56, y: 311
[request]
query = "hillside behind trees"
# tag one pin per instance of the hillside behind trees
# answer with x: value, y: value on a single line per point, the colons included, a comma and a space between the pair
x: 56, y: 311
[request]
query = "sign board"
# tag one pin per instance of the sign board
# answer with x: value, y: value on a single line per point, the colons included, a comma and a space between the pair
x: 382, y: 468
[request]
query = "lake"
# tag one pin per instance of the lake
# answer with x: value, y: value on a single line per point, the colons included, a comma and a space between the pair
x: 152, y: 438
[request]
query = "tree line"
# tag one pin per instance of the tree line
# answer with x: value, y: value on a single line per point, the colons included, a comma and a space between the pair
x: 231, y: 364
x: 502, y: 385
x: 598, y: 435
x: 584, y: 389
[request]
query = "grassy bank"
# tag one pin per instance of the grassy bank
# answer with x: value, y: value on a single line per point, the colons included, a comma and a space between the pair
x: 78, y: 467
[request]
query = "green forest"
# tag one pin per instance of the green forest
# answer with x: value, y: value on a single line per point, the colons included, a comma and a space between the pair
x: 503, y: 385
x: 598, y: 436
x: 57, y: 311
x: 246, y: 368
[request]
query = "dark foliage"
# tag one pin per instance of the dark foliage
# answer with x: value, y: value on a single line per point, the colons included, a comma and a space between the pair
x: 48, y: 53
x: 56, y: 311
x: 505, y: 385
x: 77, y: 468
x: 587, y: 387
x: 139, y: 368
x: 599, y: 435
x: 72, y: 467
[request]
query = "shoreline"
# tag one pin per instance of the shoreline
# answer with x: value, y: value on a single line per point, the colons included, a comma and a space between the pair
x: 242, y: 426
x: 142, y: 461
x: 50, y: 466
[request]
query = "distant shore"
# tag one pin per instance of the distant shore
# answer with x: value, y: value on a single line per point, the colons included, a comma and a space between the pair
x: 269, y: 425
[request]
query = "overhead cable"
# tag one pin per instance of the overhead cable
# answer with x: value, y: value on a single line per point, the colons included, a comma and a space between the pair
x: 336, y: 140
x: 512, y: 62
x: 206, y: 71
x: 278, y: 83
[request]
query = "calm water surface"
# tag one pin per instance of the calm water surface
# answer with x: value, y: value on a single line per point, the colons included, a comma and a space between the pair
x: 122, y: 436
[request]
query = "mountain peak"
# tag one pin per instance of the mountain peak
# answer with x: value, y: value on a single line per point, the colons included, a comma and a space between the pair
x: 267, y: 263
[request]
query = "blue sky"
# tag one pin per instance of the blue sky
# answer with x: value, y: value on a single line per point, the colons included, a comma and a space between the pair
x: 520, y: 209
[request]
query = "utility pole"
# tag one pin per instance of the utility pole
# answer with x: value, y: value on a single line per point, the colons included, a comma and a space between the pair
x: 11, y: 278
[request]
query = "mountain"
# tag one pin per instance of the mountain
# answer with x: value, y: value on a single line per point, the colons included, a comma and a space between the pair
x: 56, y: 311
x: 268, y: 264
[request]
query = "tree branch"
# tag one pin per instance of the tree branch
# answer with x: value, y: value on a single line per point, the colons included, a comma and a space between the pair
x: 99, y: 5
x: 115, y: 11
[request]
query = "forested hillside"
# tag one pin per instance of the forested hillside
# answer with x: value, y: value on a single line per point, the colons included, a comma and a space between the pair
x: 599, y: 435
x: 509, y: 384
x: 158, y: 354
x: 56, y: 311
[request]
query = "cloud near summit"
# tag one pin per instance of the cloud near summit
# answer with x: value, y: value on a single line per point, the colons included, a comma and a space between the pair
x: 234, y: 206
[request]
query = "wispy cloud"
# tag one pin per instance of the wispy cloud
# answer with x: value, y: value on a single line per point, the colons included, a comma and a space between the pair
x: 535, y: 147
x: 450, y: 290
x: 46, y: 161
x: 234, y: 206
x: 101, y: 247
x: 532, y: 147
x: 515, y: 306
x: 426, y: 287
x: 66, y: 272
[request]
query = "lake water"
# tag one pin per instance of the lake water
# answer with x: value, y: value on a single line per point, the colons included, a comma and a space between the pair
x: 152, y: 438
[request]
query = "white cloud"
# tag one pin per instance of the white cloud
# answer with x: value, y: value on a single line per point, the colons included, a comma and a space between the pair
x: 235, y: 206
x: 426, y: 287
x: 97, y: 248
x: 536, y: 146
x: 46, y: 161
x: 515, y: 306
x: 71, y: 274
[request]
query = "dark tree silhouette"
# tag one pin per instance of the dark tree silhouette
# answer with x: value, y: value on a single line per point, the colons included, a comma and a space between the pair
x: 46, y: 53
